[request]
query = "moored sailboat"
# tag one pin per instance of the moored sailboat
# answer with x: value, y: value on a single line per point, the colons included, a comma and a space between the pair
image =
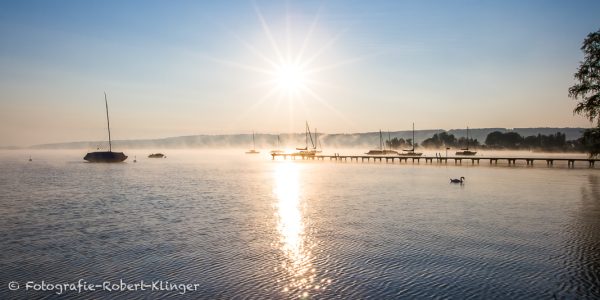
x: 277, y: 150
x: 466, y: 151
x: 106, y: 156
x: 318, y: 148
x: 411, y: 152
x: 382, y: 150
x: 307, y: 151
x: 253, y: 150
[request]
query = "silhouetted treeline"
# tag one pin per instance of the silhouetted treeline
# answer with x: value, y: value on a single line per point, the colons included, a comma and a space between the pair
x: 444, y: 139
x: 514, y: 141
x: 508, y: 140
x: 399, y: 143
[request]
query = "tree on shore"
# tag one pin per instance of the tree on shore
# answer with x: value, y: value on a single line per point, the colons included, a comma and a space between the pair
x: 587, y: 90
x: 506, y: 140
x: 540, y: 142
x: 396, y: 143
x: 445, y: 139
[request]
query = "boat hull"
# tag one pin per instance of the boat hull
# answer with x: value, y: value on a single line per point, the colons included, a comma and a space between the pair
x: 306, y: 153
x: 105, y: 157
x: 466, y: 153
x: 382, y: 152
x: 411, y: 154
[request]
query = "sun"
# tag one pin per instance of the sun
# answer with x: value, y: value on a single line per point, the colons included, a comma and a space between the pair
x: 290, y: 78
x: 291, y: 69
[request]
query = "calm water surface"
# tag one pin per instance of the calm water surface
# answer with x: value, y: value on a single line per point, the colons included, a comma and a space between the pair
x: 243, y: 226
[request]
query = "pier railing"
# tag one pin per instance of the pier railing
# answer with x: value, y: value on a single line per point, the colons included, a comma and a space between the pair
x: 458, y: 160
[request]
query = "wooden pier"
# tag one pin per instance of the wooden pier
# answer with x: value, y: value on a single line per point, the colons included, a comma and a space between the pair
x: 457, y: 160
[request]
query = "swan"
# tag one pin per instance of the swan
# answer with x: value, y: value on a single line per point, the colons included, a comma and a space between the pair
x: 461, y: 180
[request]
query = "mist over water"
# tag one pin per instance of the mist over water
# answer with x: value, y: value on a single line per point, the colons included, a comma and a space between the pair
x: 245, y: 226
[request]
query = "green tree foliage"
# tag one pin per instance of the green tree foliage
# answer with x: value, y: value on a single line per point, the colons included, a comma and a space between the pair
x: 587, y: 91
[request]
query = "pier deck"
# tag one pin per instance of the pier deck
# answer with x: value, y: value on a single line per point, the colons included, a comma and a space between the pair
x: 529, y: 161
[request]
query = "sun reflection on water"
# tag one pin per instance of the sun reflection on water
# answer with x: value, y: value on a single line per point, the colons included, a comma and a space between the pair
x: 296, y: 246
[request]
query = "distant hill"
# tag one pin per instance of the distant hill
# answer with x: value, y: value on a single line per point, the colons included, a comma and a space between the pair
x: 367, y: 140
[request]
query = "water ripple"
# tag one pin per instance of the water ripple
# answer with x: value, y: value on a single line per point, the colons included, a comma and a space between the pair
x: 256, y: 229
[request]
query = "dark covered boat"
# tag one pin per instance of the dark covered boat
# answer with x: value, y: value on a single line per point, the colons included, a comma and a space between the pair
x: 156, y: 155
x: 106, y: 156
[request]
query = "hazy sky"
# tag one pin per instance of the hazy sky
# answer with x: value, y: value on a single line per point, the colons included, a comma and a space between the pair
x: 174, y: 68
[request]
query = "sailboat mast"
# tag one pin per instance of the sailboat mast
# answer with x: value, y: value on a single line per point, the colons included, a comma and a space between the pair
x: 389, y: 140
x: 467, y: 137
x: 380, y: 141
x: 306, y: 135
x: 108, y: 121
x: 413, y: 139
x: 316, y: 139
x: 311, y: 139
x: 253, y: 143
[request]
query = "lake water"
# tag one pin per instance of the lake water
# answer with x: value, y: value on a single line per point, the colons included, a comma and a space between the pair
x: 244, y: 226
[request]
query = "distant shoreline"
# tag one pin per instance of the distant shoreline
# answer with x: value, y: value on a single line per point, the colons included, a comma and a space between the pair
x: 365, y: 140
